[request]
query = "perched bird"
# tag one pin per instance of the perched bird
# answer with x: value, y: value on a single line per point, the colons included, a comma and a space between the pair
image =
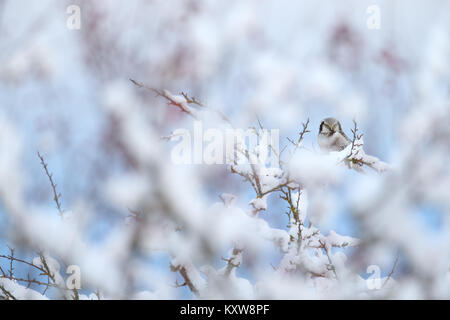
x: 331, y: 137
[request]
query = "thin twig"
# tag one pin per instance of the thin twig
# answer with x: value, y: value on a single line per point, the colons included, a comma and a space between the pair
x: 392, y: 271
x: 165, y: 94
x: 300, y: 138
x: 332, y: 267
x: 230, y: 261
x: 33, y: 281
x: 189, y: 100
x: 11, y: 266
x: 56, y: 195
x: 7, y: 293
x: 22, y: 261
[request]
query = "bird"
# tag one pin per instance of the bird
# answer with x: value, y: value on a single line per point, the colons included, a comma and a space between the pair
x: 331, y: 137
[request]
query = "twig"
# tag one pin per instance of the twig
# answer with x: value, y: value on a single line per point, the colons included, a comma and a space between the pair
x: 187, y: 280
x: 3, y: 272
x: 392, y: 271
x: 48, y: 272
x: 300, y: 138
x: 11, y: 266
x: 141, y: 85
x: 170, y: 98
x: 356, y: 137
x: 22, y: 261
x: 7, y: 293
x: 56, y: 195
x: 30, y: 281
x: 179, y: 285
x: 189, y: 100
x: 230, y: 261
x: 43, y: 271
x: 332, y: 267
x: 363, y: 159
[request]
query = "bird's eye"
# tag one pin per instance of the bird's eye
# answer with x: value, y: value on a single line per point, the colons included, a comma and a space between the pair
x: 325, y: 127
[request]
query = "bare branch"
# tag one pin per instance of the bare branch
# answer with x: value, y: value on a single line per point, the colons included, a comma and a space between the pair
x: 300, y: 138
x: 56, y: 195
x: 170, y: 98
x: 7, y: 293
x: 393, y: 270
x: 11, y: 258
x: 191, y: 100
x: 187, y: 281
x: 331, y: 265
x: 231, y: 262
x: 357, y: 157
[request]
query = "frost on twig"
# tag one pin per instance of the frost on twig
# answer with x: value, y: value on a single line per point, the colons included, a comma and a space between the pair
x: 299, y: 141
x: 356, y: 157
x: 19, y: 287
x: 264, y: 179
x: 180, y: 101
x: 190, y: 275
x: 234, y: 261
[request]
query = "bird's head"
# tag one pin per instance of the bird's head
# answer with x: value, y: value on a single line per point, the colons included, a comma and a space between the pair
x: 329, y: 126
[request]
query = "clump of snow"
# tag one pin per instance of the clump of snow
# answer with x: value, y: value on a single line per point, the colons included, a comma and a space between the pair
x: 20, y: 292
x: 259, y: 203
x: 337, y: 240
x: 229, y: 200
x: 313, y: 170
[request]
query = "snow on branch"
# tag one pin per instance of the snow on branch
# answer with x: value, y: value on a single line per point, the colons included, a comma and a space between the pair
x: 18, y: 288
x: 357, y: 158
x: 191, y: 277
x: 181, y: 101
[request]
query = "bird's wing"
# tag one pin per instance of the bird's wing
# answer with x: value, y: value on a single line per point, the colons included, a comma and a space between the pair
x: 345, y: 136
x: 342, y: 141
